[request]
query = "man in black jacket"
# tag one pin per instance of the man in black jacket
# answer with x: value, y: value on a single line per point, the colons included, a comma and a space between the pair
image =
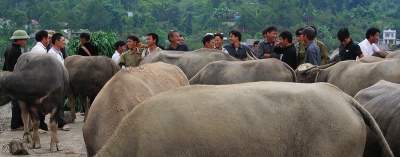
x: 286, y: 47
x: 88, y: 49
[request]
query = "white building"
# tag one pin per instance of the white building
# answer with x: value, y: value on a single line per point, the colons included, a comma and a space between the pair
x: 389, y: 37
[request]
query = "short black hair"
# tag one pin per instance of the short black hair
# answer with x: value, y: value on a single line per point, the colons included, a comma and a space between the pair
x: 181, y: 35
x: 298, y: 31
x: 219, y: 34
x: 372, y: 31
x: 207, y: 38
x: 171, y: 33
x: 154, y: 36
x: 269, y: 29
x: 256, y: 42
x: 236, y: 34
x: 134, y: 38
x: 343, y: 34
x: 119, y: 44
x: 85, y: 36
x: 40, y: 35
x: 56, y: 36
x: 315, y: 29
x: 286, y: 35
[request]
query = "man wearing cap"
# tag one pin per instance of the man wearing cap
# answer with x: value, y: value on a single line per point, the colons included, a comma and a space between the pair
x: 322, y: 48
x: 313, y: 54
x: 11, y: 56
x: 42, y: 38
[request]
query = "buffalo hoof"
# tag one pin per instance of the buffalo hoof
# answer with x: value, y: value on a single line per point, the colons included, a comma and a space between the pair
x: 27, y: 137
x: 35, y: 145
x: 55, y: 147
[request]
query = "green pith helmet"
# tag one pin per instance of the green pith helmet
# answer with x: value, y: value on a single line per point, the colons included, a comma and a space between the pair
x: 20, y: 34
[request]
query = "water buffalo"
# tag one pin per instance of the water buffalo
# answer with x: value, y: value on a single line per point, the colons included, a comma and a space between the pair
x: 190, y: 62
x: 383, y: 103
x: 231, y: 72
x: 335, y: 57
x: 121, y: 94
x: 351, y: 76
x: 39, y: 82
x: 394, y: 54
x: 87, y: 75
x: 248, y: 119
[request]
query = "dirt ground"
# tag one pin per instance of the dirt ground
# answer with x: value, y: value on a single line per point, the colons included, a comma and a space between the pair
x: 71, y: 142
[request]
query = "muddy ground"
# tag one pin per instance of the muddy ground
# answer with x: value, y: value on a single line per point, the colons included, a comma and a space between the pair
x: 71, y: 142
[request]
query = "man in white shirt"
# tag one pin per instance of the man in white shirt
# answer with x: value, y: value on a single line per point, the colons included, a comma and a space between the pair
x: 152, y: 41
x: 58, y: 41
x: 42, y: 38
x: 368, y: 46
x: 219, y: 40
x: 119, y: 49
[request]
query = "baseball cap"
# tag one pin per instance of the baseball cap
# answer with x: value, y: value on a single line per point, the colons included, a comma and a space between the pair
x: 309, y: 31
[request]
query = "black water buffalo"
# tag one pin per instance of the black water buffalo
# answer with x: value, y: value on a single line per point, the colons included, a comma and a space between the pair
x: 87, y: 75
x: 383, y: 103
x: 39, y: 82
x: 190, y: 62
x: 248, y: 119
x: 232, y: 72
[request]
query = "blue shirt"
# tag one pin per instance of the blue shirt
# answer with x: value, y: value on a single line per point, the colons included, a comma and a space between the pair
x: 313, y: 54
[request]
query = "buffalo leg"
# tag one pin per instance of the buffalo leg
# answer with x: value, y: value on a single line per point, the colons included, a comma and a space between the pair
x: 35, y: 126
x: 71, y: 101
x: 25, y: 119
x: 85, y: 106
x: 54, y: 144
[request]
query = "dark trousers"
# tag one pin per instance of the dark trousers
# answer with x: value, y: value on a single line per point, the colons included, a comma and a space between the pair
x: 16, y: 120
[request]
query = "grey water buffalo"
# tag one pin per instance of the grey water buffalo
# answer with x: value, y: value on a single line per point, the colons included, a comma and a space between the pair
x: 87, y: 75
x: 248, y: 119
x: 383, y: 103
x: 121, y: 94
x: 335, y: 57
x: 190, y: 62
x: 394, y: 54
x: 351, y: 76
x: 39, y: 82
x: 232, y: 72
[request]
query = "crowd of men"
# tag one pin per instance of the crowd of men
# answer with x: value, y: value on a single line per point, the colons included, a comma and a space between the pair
x: 307, y: 50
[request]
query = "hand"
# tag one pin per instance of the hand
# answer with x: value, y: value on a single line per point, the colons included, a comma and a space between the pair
x: 277, y: 44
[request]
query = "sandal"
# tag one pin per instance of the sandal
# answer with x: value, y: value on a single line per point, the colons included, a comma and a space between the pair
x: 65, y: 128
x: 21, y: 128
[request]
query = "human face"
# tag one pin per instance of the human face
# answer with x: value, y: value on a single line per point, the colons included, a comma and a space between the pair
x: 271, y: 36
x: 46, y: 41
x: 374, y: 38
x: 174, y: 38
x: 345, y: 41
x: 256, y: 47
x: 150, y: 40
x: 210, y: 44
x: 121, y: 49
x: 282, y: 42
x: 233, y: 39
x: 130, y: 43
x: 21, y: 42
x: 181, y: 39
x: 299, y: 38
x: 60, y: 43
x: 218, y: 41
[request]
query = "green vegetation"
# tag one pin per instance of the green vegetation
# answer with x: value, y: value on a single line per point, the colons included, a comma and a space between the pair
x: 196, y: 18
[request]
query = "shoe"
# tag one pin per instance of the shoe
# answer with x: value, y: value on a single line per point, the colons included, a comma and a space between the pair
x: 21, y: 128
x: 65, y: 128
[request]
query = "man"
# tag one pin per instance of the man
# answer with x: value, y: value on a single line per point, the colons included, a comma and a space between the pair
x: 219, y: 39
x: 133, y: 56
x: 368, y: 46
x: 173, y: 38
x: 181, y: 39
x: 208, y: 42
x: 313, y: 54
x: 324, y: 52
x: 58, y: 42
x: 50, y: 45
x: 300, y: 46
x: 119, y: 49
x: 266, y: 47
x: 11, y: 56
x: 152, y: 42
x: 285, y: 47
x: 255, y: 47
x: 42, y: 39
x: 348, y: 50
x: 236, y: 49
x: 87, y: 49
